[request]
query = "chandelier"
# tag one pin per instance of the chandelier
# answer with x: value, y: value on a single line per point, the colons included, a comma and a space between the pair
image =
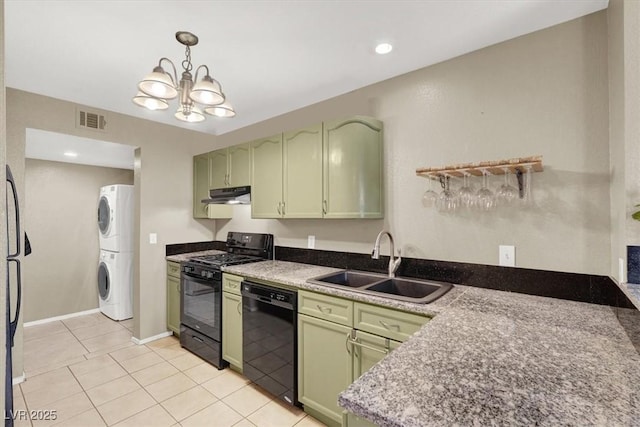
x: 158, y: 87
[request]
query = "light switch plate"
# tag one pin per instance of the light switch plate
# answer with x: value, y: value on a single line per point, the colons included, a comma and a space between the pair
x: 311, y: 242
x: 153, y: 238
x: 507, y: 255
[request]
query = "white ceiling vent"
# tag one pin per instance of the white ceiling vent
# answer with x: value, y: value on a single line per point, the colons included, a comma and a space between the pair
x: 90, y: 120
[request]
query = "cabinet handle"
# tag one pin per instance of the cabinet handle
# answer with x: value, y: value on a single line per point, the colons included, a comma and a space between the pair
x: 239, y: 312
x: 226, y: 179
x: 324, y: 309
x: 283, y: 209
x: 388, y: 326
x: 359, y: 344
x: 346, y: 343
x: 324, y: 206
x: 178, y: 287
x: 279, y: 211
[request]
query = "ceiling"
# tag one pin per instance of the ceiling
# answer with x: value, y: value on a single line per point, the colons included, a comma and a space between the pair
x: 271, y: 57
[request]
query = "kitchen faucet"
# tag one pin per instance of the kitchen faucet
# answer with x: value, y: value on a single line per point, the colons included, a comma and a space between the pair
x: 394, y: 262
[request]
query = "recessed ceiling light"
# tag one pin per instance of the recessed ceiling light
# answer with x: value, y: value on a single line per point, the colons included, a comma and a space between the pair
x: 70, y: 154
x: 383, y: 48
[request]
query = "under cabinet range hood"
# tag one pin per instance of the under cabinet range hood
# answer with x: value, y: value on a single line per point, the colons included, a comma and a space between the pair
x: 229, y: 196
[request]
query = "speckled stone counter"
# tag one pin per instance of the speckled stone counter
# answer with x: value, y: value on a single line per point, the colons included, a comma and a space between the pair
x: 186, y: 256
x: 498, y: 358
x: 632, y: 291
x: 296, y: 275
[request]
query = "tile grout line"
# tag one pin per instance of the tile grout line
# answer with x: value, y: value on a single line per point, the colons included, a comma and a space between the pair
x: 142, y: 387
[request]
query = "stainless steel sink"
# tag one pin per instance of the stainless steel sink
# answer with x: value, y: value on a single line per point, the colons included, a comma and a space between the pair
x: 404, y: 289
x: 349, y: 278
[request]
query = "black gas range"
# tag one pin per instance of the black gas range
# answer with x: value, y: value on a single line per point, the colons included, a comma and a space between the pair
x: 201, y: 292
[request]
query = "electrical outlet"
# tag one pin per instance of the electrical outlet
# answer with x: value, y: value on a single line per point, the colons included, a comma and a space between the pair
x: 507, y: 255
x: 311, y: 242
x: 153, y: 238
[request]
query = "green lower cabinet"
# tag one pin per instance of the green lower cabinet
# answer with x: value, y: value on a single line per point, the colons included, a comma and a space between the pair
x: 324, y: 365
x: 232, y: 329
x: 173, y: 297
x: 369, y: 349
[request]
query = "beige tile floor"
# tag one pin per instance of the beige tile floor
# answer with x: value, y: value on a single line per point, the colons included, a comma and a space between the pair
x: 89, y: 372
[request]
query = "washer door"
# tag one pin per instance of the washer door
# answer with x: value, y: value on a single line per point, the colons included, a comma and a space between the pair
x: 104, y: 215
x: 104, y: 281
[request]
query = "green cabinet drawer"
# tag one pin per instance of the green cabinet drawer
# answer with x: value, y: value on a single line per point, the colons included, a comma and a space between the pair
x: 231, y: 283
x: 326, y: 307
x: 386, y: 322
x: 173, y: 269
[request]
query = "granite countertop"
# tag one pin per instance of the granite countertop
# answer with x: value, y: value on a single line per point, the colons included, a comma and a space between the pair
x: 499, y: 358
x: 187, y: 255
x: 632, y: 291
x: 492, y: 358
x: 296, y: 275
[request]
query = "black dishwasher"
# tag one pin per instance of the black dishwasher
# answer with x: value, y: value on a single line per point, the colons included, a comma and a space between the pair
x: 269, y: 339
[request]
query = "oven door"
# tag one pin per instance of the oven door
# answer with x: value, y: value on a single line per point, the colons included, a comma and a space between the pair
x: 201, y: 304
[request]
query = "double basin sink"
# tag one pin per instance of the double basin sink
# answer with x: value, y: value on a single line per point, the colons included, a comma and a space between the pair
x: 404, y: 289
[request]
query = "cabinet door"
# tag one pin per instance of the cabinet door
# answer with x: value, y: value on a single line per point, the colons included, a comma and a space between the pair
x: 266, y: 177
x: 218, y: 177
x: 200, y: 185
x: 373, y: 349
x: 324, y: 365
x: 232, y: 329
x: 353, y: 186
x: 239, y: 166
x: 173, y: 304
x: 302, y: 175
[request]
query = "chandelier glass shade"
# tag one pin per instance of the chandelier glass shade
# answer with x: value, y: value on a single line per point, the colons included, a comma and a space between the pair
x: 160, y: 86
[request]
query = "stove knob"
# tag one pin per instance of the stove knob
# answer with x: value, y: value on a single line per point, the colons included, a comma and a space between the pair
x: 203, y: 273
x: 209, y: 275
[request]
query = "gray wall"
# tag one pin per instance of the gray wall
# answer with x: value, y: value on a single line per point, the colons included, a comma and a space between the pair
x: 544, y: 93
x: 60, y: 218
x: 624, y: 134
x: 163, y: 179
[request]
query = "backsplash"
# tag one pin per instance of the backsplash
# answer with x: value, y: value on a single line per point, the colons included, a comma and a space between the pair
x: 633, y: 264
x: 569, y: 286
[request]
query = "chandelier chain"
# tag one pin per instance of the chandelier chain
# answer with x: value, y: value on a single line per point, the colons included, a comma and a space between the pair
x: 186, y: 64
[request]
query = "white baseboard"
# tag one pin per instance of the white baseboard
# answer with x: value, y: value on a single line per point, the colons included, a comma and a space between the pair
x: 153, y: 338
x: 63, y: 317
x: 19, y: 379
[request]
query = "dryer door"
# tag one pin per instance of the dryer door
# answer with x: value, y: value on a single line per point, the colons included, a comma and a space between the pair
x: 104, y: 216
x: 104, y: 281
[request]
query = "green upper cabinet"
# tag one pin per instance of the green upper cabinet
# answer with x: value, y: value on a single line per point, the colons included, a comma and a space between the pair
x: 353, y: 180
x: 239, y: 165
x: 330, y: 170
x: 218, y: 168
x: 201, y: 186
x: 266, y: 177
x: 230, y: 167
x: 302, y: 173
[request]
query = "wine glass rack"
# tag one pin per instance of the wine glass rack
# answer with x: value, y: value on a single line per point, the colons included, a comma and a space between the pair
x: 517, y: 166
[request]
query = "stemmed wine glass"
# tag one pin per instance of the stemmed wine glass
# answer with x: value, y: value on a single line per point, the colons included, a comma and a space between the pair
x: 447, y: 201
x: 430, y: 197
x: 507, y: 193
x: 466, y: 195
x: 485, y: 200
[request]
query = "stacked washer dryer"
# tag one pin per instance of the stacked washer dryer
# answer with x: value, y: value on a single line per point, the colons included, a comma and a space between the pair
x: 115, y: 268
